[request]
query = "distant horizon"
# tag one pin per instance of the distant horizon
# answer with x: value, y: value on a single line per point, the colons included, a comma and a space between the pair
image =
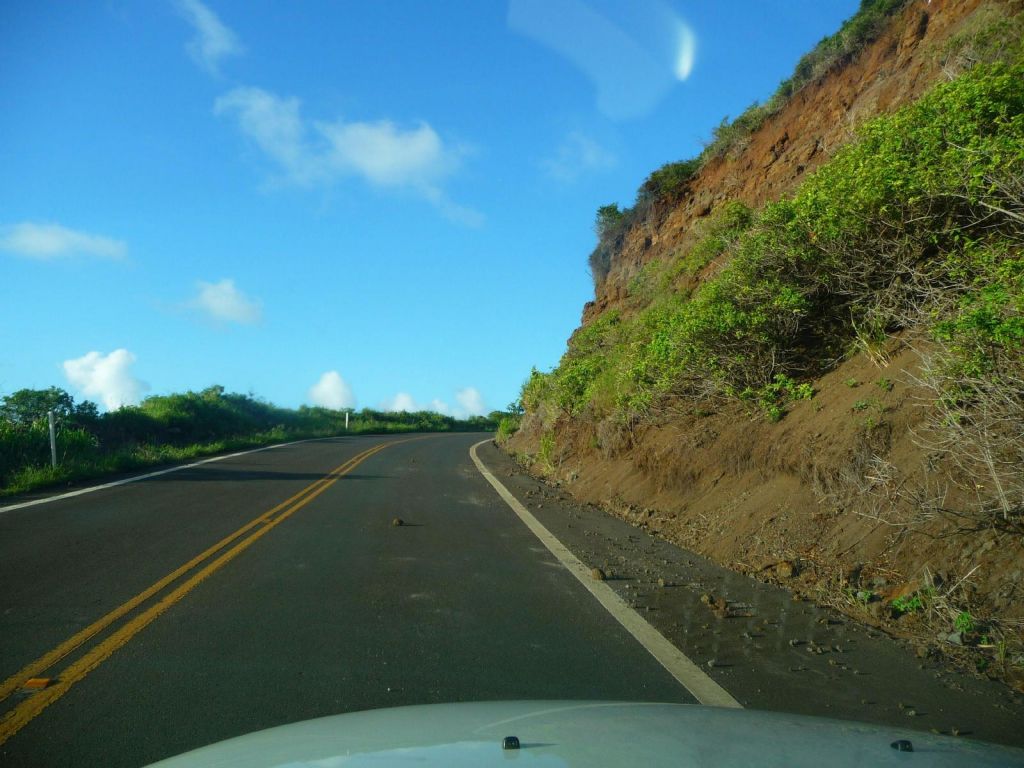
x: 387, y: 207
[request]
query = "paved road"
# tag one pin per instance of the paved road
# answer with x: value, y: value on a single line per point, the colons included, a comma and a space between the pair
x: 332, y: 610
x: 275, y: 588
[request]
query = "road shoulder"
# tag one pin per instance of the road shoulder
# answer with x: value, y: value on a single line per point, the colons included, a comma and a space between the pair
x: 767, y: 648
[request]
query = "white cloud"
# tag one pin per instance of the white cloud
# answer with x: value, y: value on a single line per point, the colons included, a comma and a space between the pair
x: 578, y: 154
x: 223, y: 302
x: 632, y: 59
x: 381, y: 153
x: 213, y: 41
x: 51, y: 241
x: 106, y: 377
x: 386, y: 155
x: 332, y: 391
x: 471, y: 403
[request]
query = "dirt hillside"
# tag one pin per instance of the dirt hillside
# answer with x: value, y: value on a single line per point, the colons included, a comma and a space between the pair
x: 834, y: 499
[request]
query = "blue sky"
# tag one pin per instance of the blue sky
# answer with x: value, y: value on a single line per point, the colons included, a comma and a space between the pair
x: 384, y: 204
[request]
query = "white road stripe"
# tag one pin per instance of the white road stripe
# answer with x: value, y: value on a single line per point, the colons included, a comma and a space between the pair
x: 137, y: 478
x: 689, y: 675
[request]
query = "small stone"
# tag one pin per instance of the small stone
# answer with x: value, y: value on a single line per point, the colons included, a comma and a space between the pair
x: 661, y: 582
x: 397, y: 522
x: 911, y: 713
x: 597, y: 574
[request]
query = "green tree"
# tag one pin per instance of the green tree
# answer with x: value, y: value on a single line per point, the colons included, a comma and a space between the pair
x: 607, y: 217
x: 28, y: 405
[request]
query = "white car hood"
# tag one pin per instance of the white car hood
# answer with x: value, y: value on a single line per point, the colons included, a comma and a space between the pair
x: 586, y: 734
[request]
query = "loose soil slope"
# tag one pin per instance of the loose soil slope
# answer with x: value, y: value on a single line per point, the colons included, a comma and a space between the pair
x: 822, y: 499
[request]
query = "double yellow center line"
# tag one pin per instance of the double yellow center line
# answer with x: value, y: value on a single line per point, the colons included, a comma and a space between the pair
x: 234, y: 544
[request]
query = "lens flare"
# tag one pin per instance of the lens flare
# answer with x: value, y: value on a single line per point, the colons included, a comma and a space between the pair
x: 686, y: 53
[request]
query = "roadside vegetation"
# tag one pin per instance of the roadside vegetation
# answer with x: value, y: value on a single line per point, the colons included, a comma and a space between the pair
x: 169, y: 428
x: 912, y: 233
x: 915, y: 228
x: 916, y: 223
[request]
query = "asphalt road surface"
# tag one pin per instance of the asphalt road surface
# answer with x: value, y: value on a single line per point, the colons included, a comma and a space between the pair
x: 147, y: 619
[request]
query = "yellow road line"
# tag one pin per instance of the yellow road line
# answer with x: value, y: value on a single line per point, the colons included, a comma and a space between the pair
x: 15, y: 719
x: 18, y: 679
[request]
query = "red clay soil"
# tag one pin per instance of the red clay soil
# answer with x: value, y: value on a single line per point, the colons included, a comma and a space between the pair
x: 828, y: 500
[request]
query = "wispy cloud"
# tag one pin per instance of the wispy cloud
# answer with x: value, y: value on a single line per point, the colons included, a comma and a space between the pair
x: 632, y: 60
x: 52, y: 241
x: 106, y: 377
x: 213, y: 41
x: 223, y: 302
x: 577, y: 156
x: 332, y: 391
x: 381, y: 153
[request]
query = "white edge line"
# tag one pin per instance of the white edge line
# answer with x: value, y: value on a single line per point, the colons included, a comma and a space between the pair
x: 137, y: 478
x: 688, y: 674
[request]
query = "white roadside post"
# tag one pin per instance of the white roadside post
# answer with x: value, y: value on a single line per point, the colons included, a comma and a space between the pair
x: 53, y: 440
x: 346, y: 421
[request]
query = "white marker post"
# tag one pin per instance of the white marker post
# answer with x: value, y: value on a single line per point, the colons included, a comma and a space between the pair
x: 346, y: 421
x: 53, y: 440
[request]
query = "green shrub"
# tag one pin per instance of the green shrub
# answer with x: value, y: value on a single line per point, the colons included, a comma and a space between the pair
x: 507, y: 427
x: 536, y: 390
x: 908, y: 604
x: 668, y: 181
x: 546, y: 452
x: 964, y: 622
x: 610, y: 225
x: 729, y: 136
x: 773, y: 397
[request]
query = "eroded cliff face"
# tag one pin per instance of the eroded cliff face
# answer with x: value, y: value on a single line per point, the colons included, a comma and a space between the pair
x: 812, y: 500
x: 896, y: 69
